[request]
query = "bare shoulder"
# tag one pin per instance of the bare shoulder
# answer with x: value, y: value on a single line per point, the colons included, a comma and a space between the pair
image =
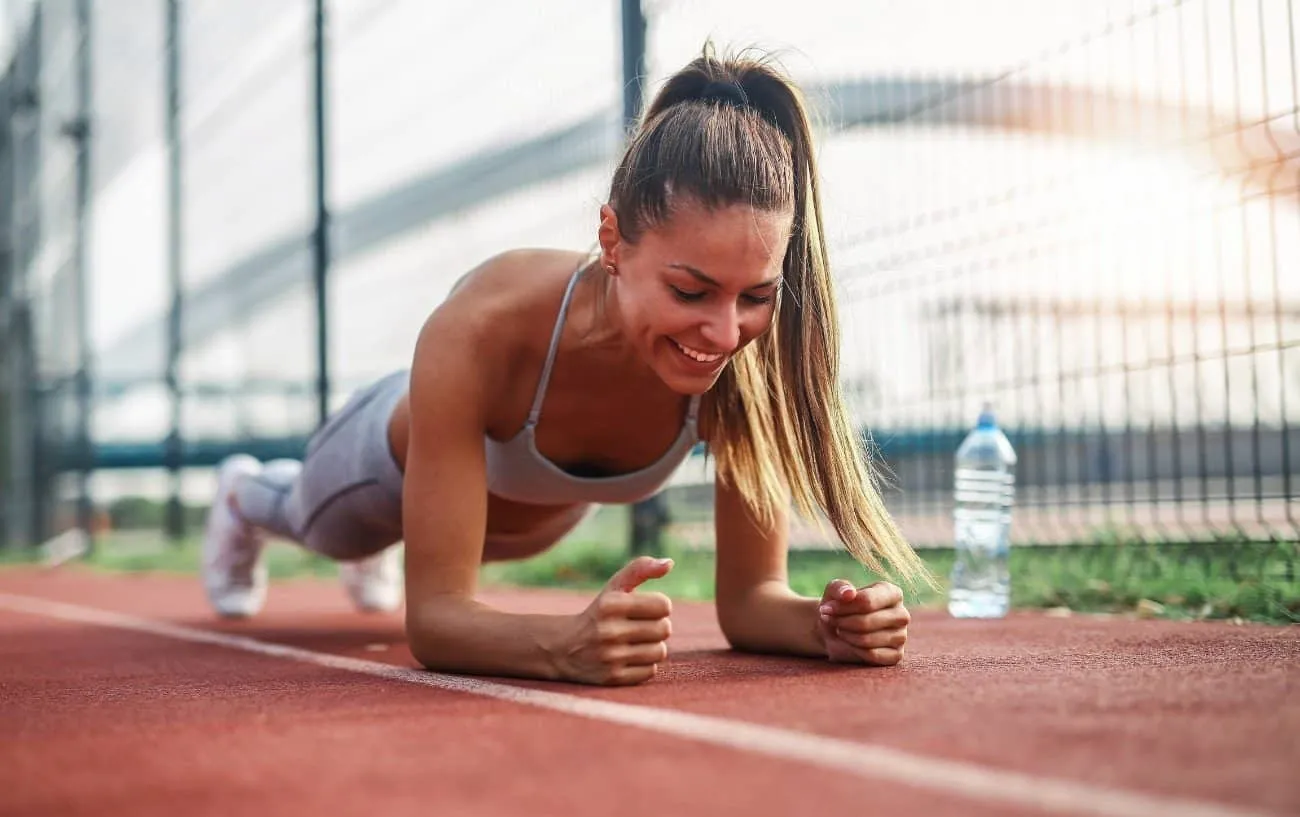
x: 497, y: 317
x: 517, y: 275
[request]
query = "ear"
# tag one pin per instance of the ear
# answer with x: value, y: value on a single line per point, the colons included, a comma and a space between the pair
x: 611, y: 240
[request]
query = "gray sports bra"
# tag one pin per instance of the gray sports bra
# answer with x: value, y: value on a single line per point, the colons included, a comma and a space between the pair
x: 517, y: 471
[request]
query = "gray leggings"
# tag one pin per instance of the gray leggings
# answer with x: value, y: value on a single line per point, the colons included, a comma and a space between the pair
x: 344, y: 500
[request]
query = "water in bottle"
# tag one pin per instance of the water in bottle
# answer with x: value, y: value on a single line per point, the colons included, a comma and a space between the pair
x: 983, y: 493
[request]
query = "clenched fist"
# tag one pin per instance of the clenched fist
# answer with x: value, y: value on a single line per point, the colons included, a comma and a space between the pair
x: 622, y: 636
x: 865, y: 625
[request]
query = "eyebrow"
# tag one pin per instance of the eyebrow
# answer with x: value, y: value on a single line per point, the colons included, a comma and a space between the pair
x: 706, y: 279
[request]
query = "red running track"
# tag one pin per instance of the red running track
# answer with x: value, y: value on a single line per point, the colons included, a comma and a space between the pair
x: 1028, y: 715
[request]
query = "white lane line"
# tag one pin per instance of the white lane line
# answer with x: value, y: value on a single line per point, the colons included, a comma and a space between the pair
x: 860, y: 759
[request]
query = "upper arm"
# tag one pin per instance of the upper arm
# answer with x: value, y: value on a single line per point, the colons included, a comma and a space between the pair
x: 750, y: 552
x: 444, y: 494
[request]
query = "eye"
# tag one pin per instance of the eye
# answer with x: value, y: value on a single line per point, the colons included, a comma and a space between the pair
x: 683, y: 295
x: 759, y: 299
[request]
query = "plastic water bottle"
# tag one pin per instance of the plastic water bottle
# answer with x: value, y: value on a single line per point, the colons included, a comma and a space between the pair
x: 983, y: 493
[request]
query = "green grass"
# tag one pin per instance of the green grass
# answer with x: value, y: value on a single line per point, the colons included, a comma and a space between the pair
x: 1225, y: 580
x: 1074, y: 578
x: 149, y: 552
x: 1250, y: 581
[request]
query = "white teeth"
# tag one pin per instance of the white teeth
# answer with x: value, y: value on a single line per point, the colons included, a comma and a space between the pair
x: 695, y: 355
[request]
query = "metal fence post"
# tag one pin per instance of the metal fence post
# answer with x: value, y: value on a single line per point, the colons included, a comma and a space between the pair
x: 24, y: 493
x: 634, y: 65
x: 648, y: 517
x: 79, y: 131
x: 8, y: 77
x: 320, y: 236
x: 175, y: 521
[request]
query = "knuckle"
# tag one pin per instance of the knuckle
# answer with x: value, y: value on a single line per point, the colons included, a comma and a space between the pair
x: 609, y: 604
x: 884, y: 656
x: 661, y: 604
x: 856, y: 639
x: 633, y: 563
x: 606, y: 632
x: 856, y: 624
x: 888, y: 594
x: 628, y: 676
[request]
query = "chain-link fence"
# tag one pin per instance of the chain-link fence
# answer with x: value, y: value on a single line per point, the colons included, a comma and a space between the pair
x: 1095, y: 238
x: 1084, y: 213
x: 44, y: 297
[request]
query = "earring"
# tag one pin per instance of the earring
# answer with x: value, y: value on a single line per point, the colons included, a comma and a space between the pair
x: 611, y: 269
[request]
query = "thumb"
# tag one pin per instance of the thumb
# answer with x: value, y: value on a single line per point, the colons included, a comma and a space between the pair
x: 839, y: 590
x: 639, y: 570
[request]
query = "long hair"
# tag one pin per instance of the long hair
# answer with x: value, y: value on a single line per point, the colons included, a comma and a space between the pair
x: 735, y: 130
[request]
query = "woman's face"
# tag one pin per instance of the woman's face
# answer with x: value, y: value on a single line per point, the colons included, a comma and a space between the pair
x: 693, y: 291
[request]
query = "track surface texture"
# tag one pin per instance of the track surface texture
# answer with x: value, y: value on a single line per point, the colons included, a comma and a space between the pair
x: 124, y: 695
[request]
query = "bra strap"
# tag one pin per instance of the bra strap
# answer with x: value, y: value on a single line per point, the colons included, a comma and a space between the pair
x: 535, y: 412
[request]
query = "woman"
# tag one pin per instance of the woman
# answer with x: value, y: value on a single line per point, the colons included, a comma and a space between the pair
x: 549, y: 381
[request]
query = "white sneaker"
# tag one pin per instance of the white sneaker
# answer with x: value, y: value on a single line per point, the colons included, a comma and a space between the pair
x: 233, y: 573
x: 375, y: 583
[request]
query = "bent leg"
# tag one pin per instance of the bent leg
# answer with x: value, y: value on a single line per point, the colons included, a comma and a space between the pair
x: 344, y: 500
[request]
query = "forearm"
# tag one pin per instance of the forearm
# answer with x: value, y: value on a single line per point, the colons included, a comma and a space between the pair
x: 772, y: 618
x: 467, y: 637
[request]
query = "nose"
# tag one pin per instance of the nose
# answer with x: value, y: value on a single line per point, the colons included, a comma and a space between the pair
x: 722, y: 329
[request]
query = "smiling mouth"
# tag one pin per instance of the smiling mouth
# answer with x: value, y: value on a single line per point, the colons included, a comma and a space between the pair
x: 696, y: 355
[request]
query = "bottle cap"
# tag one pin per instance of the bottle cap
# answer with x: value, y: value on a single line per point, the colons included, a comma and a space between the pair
x: 986, y: 419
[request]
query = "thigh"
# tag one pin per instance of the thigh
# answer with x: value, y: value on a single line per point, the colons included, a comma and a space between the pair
x: 348, y: 500
x: 359, y: 520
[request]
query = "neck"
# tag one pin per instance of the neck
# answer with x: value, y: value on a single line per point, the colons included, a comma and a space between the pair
x: 605, y: 336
